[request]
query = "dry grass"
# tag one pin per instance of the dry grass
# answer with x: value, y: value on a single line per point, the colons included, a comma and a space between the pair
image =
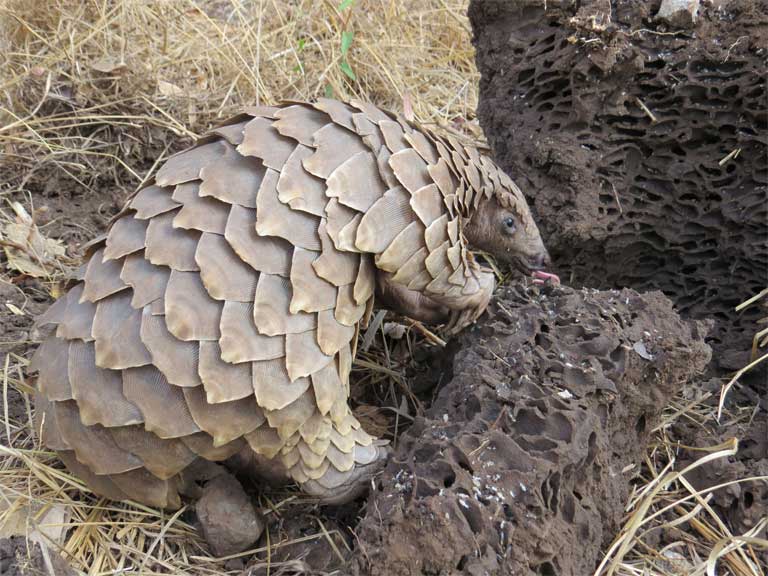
x: 88, y: 87
x: 667, y: 502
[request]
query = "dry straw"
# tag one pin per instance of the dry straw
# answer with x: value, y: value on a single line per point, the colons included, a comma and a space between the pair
x: 87, y: 87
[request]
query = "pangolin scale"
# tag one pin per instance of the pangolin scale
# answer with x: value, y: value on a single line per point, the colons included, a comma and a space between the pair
x: 219, y: 315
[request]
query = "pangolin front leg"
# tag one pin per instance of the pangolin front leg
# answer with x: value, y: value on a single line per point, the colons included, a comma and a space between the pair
x: 411, y: 303
x: 465, y: 309
x: 456, y: 312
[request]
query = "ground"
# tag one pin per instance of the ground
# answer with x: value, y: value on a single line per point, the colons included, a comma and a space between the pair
x: 94, y: 95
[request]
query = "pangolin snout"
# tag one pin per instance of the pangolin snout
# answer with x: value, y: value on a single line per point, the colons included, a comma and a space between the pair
x: 538, y: 264
x: 539, y: 261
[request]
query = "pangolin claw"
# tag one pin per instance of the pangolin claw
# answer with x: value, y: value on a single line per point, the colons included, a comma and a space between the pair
x: 474, y: 305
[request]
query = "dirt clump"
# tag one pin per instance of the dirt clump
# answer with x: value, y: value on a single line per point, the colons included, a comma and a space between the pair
x: 642, y: 146
x: 532, y: 445
x: 229, y: 522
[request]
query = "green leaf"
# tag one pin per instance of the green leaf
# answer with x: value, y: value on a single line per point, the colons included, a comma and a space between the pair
x: 344, y: 4
x: 302, y: 42
x: 328, y: 91
x: 346, y: 41
x: 347, y: 69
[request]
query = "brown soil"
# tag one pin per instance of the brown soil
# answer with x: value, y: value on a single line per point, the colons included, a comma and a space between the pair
x: 66, y: 211
x: 18, y: 557
x: 617, y: 127
x: 531, y: 446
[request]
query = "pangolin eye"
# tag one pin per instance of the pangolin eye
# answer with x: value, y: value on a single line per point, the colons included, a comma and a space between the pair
x: 509, y: 224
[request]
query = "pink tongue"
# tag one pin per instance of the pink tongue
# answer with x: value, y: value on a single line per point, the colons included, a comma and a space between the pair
x: 540, y: 277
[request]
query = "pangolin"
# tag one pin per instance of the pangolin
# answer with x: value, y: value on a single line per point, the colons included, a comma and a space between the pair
x: 219, y: 315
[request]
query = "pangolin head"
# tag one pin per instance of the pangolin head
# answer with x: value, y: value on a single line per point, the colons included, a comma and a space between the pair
x: 503, y: 226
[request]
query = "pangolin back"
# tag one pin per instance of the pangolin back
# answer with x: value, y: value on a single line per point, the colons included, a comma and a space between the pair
x: 220, y: 312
